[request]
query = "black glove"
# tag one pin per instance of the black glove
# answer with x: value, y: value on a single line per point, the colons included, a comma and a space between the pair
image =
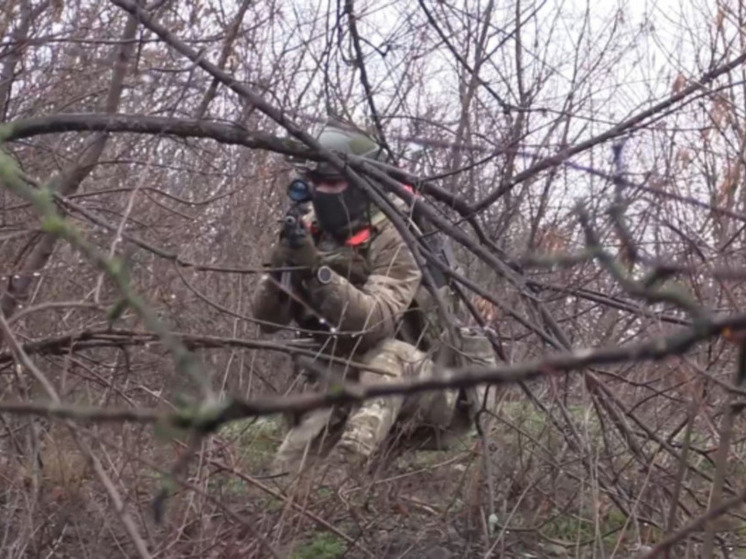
x: 280, y: 256
x: 303, y: 253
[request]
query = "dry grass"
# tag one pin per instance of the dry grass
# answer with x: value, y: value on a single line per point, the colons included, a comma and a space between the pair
x: 546, y: 501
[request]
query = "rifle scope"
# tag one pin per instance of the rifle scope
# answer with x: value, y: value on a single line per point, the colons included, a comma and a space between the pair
x: 299, y: 191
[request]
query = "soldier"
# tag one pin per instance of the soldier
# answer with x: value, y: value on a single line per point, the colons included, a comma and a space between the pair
x: 356, y: 289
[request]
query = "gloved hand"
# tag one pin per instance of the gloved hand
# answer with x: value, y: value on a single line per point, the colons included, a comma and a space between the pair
x: 280, y: 256
x: 302, y: 253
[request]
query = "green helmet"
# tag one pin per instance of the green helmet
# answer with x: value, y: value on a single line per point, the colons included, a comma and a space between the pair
x: 346, y: 140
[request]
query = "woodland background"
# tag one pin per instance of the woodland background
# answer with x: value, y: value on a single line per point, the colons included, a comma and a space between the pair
x: 588, y: 161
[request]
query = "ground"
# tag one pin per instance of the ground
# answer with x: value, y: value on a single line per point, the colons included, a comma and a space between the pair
x: 424, y: 504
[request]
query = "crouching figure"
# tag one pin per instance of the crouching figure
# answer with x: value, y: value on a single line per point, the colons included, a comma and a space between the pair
x: 352, y: 285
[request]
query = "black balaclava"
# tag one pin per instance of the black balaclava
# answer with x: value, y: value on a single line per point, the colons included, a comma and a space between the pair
x: 341, y: 214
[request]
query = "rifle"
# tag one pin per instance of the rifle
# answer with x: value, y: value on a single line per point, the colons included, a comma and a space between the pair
x: 293, y: 230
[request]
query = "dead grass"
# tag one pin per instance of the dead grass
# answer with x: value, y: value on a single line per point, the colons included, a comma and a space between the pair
x: 546, y: 501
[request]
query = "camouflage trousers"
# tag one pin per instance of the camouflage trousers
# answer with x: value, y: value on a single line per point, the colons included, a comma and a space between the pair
x: 362, y: 428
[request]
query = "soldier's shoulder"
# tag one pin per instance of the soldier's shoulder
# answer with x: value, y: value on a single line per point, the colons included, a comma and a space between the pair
x: 386, y: 233
x: 389, y: 247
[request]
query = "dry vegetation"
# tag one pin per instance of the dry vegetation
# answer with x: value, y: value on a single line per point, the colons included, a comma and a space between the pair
x: 589, y: 163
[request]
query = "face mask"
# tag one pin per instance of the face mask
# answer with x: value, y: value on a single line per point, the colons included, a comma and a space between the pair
x: 339, y: 214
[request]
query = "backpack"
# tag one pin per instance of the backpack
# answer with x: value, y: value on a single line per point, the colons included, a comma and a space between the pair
x: 472, y: 345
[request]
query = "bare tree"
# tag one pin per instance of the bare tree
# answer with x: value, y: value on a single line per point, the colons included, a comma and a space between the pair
x: 587, y: 165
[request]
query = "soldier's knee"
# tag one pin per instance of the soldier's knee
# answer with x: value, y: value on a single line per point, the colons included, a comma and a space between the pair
x: 362, y: 436
x: 396, y: 358
x: 355, y: 446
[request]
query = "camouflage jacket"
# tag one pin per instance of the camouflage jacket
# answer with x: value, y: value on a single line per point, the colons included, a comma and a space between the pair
x: 374, y: 283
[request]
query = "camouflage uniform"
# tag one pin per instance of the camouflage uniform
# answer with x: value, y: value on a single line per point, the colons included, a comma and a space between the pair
x: 373, y: 292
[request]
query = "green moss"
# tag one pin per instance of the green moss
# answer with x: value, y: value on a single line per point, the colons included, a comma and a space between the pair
x: 323, y: 546
x: 571, y: 529
x: 228, y: 486
x: 256, y: 440
x: 568, y: 528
